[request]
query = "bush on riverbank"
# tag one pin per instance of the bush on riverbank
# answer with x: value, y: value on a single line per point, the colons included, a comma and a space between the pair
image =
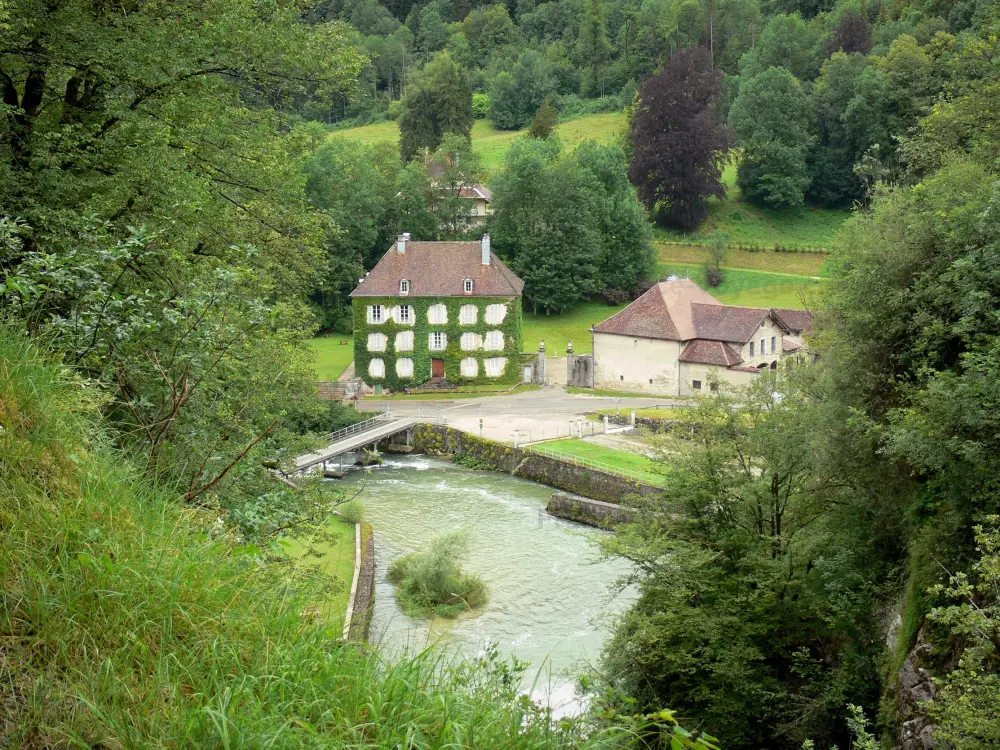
x: 432, y: 582
x: 353, y: 511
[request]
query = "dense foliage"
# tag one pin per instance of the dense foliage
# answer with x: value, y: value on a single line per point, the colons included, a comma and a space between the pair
x: 432, y: 582
x: 822, y: 543
x: 570, y: 224
x: 679, y: 140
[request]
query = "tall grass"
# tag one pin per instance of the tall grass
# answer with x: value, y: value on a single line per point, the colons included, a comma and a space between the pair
x: 125, y: 624
x: 432, y: 582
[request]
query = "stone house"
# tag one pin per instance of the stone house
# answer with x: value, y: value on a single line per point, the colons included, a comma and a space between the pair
x: 676, y: 338
x: 439, y: 312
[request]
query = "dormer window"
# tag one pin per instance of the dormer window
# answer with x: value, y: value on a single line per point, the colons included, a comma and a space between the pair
x: 404, y: 286
x: 467, y: 286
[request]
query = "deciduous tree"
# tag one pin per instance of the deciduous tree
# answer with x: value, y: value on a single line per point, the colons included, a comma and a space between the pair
x: 680, y: 139
x: 437, y: 102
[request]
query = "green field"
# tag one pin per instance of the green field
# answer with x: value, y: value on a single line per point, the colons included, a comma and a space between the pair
x: 573, y: 325
x: 751, y: 288
x: 333, y: 355
x: 492, y: 144
x: 751, y: 225
x: 644, y: 466
x: 798, y: 264
x: 334, y: 557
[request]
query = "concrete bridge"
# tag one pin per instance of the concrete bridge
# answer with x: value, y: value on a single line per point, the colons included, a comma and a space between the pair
x: 370, y: 432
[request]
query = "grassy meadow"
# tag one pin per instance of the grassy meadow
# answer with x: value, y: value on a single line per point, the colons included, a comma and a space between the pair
x: 333, y: 557
x: 748, y: 224
x: 492, y: 144
x: 333, y: 354
x: 644, y: 466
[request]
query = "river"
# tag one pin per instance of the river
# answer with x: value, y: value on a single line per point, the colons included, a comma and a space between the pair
x: 550, y: 598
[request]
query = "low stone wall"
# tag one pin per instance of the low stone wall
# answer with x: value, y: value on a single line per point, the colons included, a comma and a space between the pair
x: 590, y: 483
x: 364, y: 596
x: 679, y: 426
x: 591, y: 512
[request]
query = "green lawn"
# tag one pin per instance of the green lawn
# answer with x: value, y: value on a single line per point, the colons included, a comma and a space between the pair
x: 333, y: 355
x: 752, y: 225
x: 334, y: 557
x: 751, y: 288
x: 799, y: 264
x: 492, y: 144
x: 573, y: 325
x: 645, y: 467
x: 469, y: 391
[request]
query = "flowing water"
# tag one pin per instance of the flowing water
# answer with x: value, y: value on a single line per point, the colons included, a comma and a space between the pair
x: 550, y: 599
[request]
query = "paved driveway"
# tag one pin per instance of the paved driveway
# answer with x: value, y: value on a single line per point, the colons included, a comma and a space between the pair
x: 545, y: 413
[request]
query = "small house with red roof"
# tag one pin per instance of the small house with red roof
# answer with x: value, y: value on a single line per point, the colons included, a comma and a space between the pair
x: 678, y: 340
x: 444, y: 312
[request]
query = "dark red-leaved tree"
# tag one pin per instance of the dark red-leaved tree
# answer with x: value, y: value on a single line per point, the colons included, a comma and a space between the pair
x: 680, y: 140
x: 851, y: 34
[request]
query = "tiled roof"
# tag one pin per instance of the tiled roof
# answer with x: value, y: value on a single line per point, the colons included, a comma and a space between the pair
x: 438, y: 269
x: 476, y: 191
x: 744, y: 368
x: 663, y: 312
x: 787, y: 345
x: 795, y: 320
x: 727, y: 322
x: 706, y: 352
x: 679, y: 310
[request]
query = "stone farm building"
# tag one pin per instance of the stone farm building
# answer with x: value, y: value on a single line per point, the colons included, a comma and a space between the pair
x: 677, y: 337
x: 444, y: 312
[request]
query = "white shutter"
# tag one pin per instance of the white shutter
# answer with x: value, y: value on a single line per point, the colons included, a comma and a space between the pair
x: 404, y: 341
x: 404, y: 367
x: 494, y: 341
x: 468, y: 314
x: 376, y: 342
x: 495, y: 314
x: 470, y: 367
x: 376, y: 314
x: 437, y: 314
x: 495, y: 366
x: 471, y: 342
x: 376, y: 368
x: 437, y: 341
x: 403, y: 314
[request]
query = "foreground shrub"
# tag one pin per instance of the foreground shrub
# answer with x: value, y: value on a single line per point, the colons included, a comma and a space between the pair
x: 432, y: 582
x: 353, y: 511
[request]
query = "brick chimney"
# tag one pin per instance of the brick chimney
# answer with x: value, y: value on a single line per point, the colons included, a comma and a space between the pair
x: 486, y: 249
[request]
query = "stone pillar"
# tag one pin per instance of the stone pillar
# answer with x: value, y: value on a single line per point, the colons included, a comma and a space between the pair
x: 540, y: 369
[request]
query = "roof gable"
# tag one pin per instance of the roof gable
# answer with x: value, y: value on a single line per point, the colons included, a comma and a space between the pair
x: 663, y: 312
x: 438, y: 269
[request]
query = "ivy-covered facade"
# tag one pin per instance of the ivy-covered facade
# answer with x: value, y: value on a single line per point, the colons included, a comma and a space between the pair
x: 439, y: 322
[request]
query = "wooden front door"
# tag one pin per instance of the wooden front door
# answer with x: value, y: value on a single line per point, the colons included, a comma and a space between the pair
x: 437, y: 368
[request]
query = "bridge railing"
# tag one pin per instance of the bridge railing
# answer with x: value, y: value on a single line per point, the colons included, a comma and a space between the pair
x: 358, y: 427
x: 588, y: 463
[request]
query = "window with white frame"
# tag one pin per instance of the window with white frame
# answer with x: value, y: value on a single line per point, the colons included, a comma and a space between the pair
x: 494, y: 341
x: 376, y: 368
x: 404, y: 341
x: 376, y: 313
x: 495, y: 314
x: 773, y: 342
x: 495, y: 366
x: 751, y: 348
x: 404, y: 367
x: 404, y: 286
x: 470, y: 367
x: 467, y: 286
x: 763, y: 349
x: 377, y: 342
x: 437, y: 341
x: 404, y: 314
x: 471, y: 342
x: 437, y: 314
x: 468, y: 314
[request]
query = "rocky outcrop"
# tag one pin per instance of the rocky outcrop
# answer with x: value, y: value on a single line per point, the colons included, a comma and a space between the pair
x: 915, y: 688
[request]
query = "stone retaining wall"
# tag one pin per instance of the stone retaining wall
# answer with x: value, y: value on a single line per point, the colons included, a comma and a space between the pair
x: 364, y: 597
x: 591, y: 483
x: 591, y: 512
